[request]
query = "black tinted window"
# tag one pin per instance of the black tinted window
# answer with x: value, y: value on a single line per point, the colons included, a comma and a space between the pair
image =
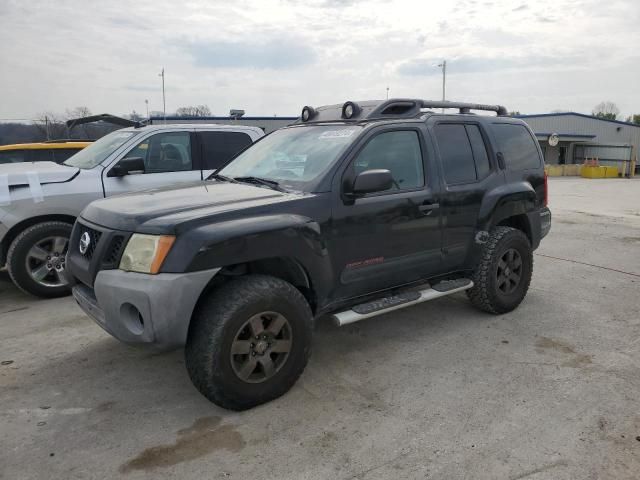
x: 399, y: 152
x: 40, y: 156
x: 220, y: 147
x: 455, y: 152
x: 517, y: 145
x: 479, y: 150
x: 12, y: 156
x: 61, y: 154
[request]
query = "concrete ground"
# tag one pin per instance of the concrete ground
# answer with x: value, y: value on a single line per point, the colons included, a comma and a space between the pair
x: 438, y: 390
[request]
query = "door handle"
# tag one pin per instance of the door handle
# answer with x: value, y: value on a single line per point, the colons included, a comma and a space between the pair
x: 428, y: 207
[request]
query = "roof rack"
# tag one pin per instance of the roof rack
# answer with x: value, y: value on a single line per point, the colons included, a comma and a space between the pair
x: 465, y: 107
x: 103, y: 117
x: 407, y: 107
x: 393, y: 108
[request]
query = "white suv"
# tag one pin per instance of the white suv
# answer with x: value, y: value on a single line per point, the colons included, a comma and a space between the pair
x: 39, y: 202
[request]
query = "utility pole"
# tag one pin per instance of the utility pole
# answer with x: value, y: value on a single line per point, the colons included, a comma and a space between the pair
x: 146, y: 101
x: 443, y: 65
x: 164, y: 103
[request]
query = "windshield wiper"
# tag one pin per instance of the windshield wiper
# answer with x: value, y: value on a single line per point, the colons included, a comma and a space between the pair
x: 222, y: 178
x: 272, y: 184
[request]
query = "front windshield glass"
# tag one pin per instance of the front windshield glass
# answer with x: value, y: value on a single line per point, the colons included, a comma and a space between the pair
x: 293, y: 157
x: 95, y: 153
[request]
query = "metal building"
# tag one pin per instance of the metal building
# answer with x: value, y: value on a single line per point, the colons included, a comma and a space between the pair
x: 571, y: 137
x: 267, y: 124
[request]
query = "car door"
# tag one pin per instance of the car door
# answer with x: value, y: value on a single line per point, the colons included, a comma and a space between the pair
x: 388, y: 238
x: 469, y: 171
x: 168, y: 160
x: 217, y: 147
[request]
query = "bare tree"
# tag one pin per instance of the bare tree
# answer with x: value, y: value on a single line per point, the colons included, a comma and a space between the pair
x: 50, y: 126
x: 194, y: 111
x: 608, y: 110
x: 80, y: 112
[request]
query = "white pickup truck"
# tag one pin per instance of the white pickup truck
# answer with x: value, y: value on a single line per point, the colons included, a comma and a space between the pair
x: 40, y: 201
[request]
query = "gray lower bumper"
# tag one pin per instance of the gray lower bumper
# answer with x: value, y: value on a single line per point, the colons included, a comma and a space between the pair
x: 141, y: 308
x: 545, y: 222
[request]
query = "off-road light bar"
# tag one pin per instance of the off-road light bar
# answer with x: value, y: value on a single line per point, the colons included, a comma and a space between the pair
x: 307, y: 113
x: 350, y: 110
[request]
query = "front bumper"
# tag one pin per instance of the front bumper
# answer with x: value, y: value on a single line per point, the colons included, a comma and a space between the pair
x: 139, y: 308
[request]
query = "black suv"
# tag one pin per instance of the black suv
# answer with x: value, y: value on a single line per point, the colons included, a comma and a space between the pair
x: 356, y: 210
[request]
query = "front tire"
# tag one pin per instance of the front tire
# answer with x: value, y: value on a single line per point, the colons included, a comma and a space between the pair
x: 249, y: 341
x: 502, y: 277
x: 36, y: 259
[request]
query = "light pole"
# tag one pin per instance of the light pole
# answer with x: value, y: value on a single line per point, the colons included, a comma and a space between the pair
x: 146, y: 101
x: 387, y: 93
x: 443, y: 65
x: 164, y: 103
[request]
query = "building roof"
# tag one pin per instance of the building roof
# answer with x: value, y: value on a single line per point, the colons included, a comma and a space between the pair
x: 562, y: 114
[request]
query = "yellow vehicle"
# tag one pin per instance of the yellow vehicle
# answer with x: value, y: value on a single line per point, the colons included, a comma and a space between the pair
x: 53, y: 151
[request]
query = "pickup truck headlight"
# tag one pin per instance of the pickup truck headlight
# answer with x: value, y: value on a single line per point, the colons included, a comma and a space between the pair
x: 145, y: 253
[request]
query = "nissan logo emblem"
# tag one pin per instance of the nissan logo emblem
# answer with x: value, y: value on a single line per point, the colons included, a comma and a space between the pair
x: 85, y: 240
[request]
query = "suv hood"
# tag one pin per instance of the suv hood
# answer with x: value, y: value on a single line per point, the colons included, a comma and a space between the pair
x: 45, y: 172
x: 163, y: 210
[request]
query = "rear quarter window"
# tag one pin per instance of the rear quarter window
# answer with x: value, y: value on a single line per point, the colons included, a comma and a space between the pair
x: 519, y: 148
x: 220, y: 147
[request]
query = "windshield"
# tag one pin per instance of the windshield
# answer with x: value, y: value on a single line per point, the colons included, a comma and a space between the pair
x: 95, y: 153
x: 293, y: 157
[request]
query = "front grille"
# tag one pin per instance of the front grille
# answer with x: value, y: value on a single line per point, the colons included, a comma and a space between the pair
x: 94, y: 238
x: 114, y: 250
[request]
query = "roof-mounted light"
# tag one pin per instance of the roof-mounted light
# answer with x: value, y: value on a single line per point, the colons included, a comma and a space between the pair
x: 307, y: 113
x: 350, y: 110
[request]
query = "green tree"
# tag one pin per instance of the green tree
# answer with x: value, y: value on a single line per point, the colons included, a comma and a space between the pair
x: 635, y: 118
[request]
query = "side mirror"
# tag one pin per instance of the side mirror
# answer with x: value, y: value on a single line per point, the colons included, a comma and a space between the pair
x: 126, y: 166
x: 371, y: 181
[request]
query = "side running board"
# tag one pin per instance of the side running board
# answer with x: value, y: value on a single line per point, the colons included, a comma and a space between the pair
x: 401, y: 300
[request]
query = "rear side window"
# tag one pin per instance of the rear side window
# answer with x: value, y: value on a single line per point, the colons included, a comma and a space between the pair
x: 479, y: 150
x: 40, y: 156
x: 517, y: 145
x: 220, y: 147
x: 455, y: 152
x: 61, y: 154
x: 12, y: 156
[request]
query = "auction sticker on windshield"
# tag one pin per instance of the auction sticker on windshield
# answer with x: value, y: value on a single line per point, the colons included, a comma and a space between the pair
x: 336, y: 134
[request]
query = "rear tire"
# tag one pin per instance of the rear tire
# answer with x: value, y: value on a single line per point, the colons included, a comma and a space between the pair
x: 502, y: 277
x: 36, y: 259
x: 227, y: 362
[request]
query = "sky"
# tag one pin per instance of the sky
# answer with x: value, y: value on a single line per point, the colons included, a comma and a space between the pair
x: 272, y: 57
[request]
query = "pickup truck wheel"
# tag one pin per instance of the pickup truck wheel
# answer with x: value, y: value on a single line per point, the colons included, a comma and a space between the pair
x: 502, y: 276
x: 249, y: 341
x: 36, y: 259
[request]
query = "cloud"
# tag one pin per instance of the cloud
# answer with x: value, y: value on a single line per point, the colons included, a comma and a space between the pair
x: 279, y: 53
x: 464, y: 65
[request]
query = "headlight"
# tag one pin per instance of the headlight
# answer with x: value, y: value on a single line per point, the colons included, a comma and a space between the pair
x: 145, y: 253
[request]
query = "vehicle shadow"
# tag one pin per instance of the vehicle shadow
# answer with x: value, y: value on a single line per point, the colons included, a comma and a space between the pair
x: 106, y: 370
